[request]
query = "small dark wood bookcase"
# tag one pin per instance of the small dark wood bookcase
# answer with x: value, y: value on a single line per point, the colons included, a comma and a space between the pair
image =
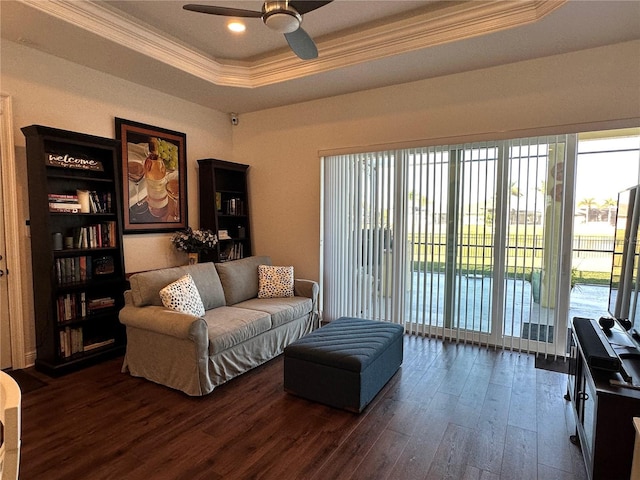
x: 224, y: 207
x: 76, y: 247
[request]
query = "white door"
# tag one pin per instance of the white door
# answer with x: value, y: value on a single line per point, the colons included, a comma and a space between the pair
x: 11, y: 291
x: 5, y: 331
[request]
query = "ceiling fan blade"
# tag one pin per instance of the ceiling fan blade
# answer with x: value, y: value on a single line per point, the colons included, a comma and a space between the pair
x: 227, y: 12
x: 304, y: 6
x: 302, y: 44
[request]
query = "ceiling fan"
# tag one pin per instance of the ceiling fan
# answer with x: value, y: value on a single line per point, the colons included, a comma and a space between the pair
x: 281, y: 16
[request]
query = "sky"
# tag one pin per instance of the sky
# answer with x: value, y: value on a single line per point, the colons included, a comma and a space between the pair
x: 604, y: 174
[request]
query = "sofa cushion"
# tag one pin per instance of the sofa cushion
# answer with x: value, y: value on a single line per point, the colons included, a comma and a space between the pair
x: 230, y: 326
x: 208, y: 282
x: 183, y: 296
x: 275, y: 282
x: 282, y: 310
x: 239, y: 278
x: 146, y: 286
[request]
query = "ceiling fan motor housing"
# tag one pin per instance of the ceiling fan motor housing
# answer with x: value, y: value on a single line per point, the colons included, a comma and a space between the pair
x: 281, y: 17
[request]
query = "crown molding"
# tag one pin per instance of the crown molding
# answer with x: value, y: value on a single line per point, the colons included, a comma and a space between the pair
x: 105, y: 23
x: 460, y: 20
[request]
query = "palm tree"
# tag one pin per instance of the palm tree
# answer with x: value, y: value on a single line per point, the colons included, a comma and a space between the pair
x: 609, y: 203
x: 587, y: 202
x: 542, y: 188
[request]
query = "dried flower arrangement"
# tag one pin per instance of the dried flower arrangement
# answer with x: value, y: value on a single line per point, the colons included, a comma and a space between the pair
x: 194, y: 241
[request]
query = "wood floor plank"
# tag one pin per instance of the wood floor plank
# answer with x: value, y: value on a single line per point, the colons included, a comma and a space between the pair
x: 486, y: 450
x: 429, y: 429
x: 549, y: 473
x: 520, y: 454
x: 346, y: 458
x: 453, y: 411
x: 488, y: 440
x: 379, y: 462
x: 522, y: 407
x: 450, y: 460
x: 475, y: 389
x: 553, y: 450
x: 473, y: 473
x: 418, y: 454
x: 503, y: 368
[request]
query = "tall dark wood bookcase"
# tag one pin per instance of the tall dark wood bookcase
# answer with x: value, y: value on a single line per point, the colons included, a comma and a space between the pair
x: 224, y: 206
x: 77, y: 258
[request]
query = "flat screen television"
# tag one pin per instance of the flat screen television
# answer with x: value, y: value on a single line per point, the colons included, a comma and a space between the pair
x: 624, y: 298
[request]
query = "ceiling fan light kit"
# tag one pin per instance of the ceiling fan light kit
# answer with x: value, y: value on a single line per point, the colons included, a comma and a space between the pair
x: 283, y: 21
x: 280, y: 16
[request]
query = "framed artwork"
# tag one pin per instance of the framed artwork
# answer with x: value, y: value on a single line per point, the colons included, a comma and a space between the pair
x: 153, y: 166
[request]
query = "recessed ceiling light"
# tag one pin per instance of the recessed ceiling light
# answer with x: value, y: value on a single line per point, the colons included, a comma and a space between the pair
x: 237, y: 27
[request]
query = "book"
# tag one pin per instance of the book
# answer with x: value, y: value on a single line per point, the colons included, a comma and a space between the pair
x: 64, y: 207
x: 63, y: 204
x: 83, y: 304
x: 93, y: 346
x: 83, y: 268
x: 97, y: 205
x: 100, y: 303
x: 63, y: 197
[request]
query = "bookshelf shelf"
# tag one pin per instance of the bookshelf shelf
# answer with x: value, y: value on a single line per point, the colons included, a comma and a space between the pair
x: 63, y: 166
x: 63, y: 176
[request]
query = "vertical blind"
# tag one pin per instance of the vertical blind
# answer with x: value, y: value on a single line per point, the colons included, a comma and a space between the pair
x: 450, y: 241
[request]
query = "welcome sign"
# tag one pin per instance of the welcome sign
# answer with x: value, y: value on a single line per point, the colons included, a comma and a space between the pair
x: 67, y: 161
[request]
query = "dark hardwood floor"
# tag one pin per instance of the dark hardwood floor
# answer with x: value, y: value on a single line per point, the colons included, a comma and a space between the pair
x: 452, y: 411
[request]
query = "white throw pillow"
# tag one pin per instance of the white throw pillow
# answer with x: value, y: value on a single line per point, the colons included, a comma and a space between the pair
x: 183, y: 296
x: 275, y: 282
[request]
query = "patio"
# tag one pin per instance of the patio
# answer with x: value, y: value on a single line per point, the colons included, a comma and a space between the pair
x: 523, y: 317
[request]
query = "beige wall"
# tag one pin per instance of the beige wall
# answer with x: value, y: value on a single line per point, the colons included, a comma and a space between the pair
x: 50, y: 91
x: 282, y: 144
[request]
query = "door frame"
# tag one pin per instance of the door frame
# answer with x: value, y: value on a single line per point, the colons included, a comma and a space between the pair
x: 12, y: 229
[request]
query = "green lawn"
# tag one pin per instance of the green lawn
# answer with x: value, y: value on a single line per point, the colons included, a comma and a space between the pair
x: 476, y: 255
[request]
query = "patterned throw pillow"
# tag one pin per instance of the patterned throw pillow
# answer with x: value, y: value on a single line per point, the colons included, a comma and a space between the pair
x: 183, y: 296
x: 275, y: 282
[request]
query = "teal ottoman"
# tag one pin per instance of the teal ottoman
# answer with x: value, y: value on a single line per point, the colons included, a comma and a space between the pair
x: 345, y: 363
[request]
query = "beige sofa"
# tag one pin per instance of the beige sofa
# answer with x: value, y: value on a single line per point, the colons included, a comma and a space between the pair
x: 237, y: 332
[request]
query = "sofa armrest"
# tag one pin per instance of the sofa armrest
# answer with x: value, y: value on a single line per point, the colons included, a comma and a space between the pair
x: 165, y: 321
x: 309, y: 289
x: 306, y: 288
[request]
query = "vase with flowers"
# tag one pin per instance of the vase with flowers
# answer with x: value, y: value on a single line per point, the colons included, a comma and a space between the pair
x: 194, y: 242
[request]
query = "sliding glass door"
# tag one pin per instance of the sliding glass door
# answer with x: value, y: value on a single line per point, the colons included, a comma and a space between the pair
x: 462, y: 242
x: 451, y: 241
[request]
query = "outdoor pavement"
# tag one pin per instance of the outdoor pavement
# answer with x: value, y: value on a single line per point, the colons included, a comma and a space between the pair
x: 522, y: 314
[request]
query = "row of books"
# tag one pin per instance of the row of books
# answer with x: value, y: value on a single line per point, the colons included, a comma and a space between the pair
x: 100, y: 202
x: 71, y: 270
x: 95, y: 236
x: 234, y: 206
x: 71, y: 203
x: 73, y: 306
x: 233, y: 252
x: 72, y: 342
